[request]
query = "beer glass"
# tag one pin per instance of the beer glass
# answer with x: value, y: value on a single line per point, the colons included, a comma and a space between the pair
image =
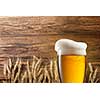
x: 71, y: 60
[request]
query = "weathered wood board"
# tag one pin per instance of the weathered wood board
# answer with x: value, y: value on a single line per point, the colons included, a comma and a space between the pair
x: 27, y: 36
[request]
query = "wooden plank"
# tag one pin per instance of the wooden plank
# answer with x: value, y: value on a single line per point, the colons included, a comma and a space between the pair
x: 44, y: 38
x: 26, y: 46
x: 25, y: 25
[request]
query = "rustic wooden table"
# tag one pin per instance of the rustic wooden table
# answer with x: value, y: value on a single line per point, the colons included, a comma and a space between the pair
x: 27, y: 36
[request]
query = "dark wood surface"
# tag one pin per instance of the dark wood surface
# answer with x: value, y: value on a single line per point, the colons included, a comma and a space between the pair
x: 27, y: 36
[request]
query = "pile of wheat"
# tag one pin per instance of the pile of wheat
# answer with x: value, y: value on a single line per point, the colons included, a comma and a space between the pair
x: 36, y: 71
x: 31, y: 72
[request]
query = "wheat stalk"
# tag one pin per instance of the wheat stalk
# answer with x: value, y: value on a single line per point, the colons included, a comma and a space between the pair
x: 51, y: 70
x: 91, y: 74
x: 29, y: 73
x: 18, y: 73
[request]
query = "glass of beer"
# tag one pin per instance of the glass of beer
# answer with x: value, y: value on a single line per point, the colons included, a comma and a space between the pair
x: 71, y: 60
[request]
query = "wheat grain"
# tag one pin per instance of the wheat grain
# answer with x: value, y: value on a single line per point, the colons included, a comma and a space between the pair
x: 14, y: 69
x: 90, y: 77
x: 29, y: 73
x: 5, y: 70
x: 33, y: 64
x: 90, y: 67
x: 26, y: 77
x: 94, y: 74
x: 18, y: 73
x: 47, y: 75
x: 38, y: 64
x: 97, y: 80
x: 34, y: 74
x: 40, y: 71
x: 23, y: 77
x: 40, y: 78
x: 44, y: 74
x: 51, y: 70
x: 8, y: 74
x: 10, y: 63
x: 56, y: 75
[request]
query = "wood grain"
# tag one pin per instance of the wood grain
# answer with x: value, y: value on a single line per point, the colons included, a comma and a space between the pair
x: 27, y: 36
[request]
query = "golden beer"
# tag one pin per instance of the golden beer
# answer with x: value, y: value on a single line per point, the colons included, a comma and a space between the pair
x: 71, y: 60
x: 73, y: 68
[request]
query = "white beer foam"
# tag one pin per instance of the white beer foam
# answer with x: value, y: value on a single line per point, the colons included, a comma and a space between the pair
x: 67, y: 46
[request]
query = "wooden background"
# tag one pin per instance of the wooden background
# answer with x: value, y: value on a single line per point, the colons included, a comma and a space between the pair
x: 27, y: 36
